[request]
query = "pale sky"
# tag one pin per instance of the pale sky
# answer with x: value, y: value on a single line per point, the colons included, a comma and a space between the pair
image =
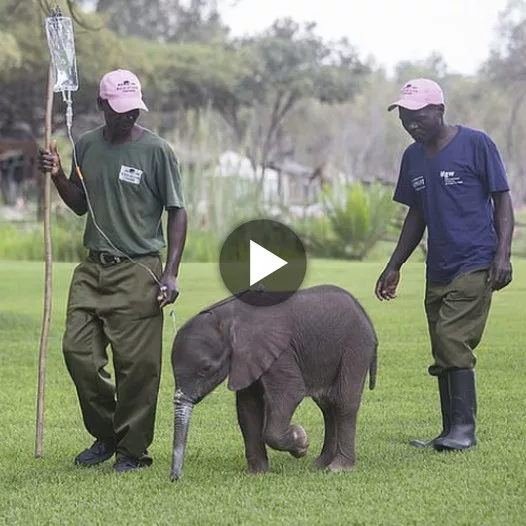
x: 390, y: 30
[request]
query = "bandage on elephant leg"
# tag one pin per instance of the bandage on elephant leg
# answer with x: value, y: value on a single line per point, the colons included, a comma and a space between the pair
x: 250, y: 414
x: 282, y: 397
x: 330, y: 439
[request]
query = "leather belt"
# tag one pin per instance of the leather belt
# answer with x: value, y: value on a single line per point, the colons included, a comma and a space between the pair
x: 109, y: 259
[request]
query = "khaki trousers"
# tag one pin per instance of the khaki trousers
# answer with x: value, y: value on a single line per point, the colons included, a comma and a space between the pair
x: 457, y: 313
x: 116, y: 305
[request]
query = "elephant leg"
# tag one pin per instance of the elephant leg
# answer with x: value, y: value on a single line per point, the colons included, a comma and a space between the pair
x: 283, y: 394
x: 250, y: 414
x: 345, y: 456
x: 345, y: 411
x: 330, y: 440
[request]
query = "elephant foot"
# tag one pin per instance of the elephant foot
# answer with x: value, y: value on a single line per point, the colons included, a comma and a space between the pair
x: 322, y: 461
x: 301, y: 440
x: 258, y: 468
x: 340, y: 465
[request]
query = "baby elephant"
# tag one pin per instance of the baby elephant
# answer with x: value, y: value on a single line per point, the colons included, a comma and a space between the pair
x: 318, y: 343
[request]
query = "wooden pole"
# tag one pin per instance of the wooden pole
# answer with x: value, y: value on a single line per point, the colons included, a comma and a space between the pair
x: 48, y: 276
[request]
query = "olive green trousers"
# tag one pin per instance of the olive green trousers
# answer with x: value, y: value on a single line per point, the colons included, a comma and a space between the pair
x: 457, y: 313
x: 116, y: 305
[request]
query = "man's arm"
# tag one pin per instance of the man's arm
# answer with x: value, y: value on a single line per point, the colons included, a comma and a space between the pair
x: 71, y: 194
x: 177, y: 228
x: 501, y: 270
x: 411, y: 234
x: 176, y: 233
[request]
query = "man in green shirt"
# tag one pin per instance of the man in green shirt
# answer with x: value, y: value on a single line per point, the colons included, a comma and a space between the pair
x: 126, y: 177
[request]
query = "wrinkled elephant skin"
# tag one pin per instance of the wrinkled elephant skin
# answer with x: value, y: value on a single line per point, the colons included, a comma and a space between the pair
x: 320, y: 343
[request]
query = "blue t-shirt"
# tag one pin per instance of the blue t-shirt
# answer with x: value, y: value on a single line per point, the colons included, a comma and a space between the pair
x: 452, y: 191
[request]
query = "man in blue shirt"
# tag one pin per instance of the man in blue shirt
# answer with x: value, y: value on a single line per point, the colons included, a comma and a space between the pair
x: 454, y: 182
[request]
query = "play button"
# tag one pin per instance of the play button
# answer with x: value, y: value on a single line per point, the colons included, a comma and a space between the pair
x: 262, y: 263
x: 263, y: 254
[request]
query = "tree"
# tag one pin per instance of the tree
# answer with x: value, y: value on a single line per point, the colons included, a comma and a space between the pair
x: 163, y: 20
x: 505, y: 70
x: 175, y: 76
x: 24, y: 84
x: 286, y: 64
x: 433, y: 67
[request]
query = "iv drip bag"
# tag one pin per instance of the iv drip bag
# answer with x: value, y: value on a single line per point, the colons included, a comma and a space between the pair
x: 61, y: 42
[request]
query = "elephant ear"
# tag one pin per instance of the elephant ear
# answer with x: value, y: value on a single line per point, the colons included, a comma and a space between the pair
x: 255, y: 345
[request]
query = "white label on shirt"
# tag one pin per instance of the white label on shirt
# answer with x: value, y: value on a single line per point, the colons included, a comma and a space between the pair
x: 130, y: 175
x: 449, y: 178
x: 418, y: 182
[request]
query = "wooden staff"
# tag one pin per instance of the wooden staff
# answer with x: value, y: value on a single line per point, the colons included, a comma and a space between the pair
x: 48, y: 275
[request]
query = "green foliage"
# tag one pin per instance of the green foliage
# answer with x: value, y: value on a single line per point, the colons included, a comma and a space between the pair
x: 289, y: 58
x: 216, y: 205
x: 254, y: 83
x: 357, y: 218
x: 25, y: 242
x: 190, y: 75
x: 506, y: 61
x: 287, y: 64
x: 519, y: 235
x: 162, y: 20
x: 202, y: 246
x: 433, y: 67
x: 11, y: 56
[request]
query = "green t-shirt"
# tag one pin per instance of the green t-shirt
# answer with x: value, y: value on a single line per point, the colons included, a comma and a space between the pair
x: 128, y: 186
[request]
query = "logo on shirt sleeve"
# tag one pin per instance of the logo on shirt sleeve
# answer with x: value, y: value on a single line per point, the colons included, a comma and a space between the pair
x: 130, y: 175
x: 418, y: 182
x: 449, y: 178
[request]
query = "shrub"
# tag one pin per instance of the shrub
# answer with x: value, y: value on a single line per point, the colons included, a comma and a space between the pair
x: 356, y: 218
x: 25, y: 241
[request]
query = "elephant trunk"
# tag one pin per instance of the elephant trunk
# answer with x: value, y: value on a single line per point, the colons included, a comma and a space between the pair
x: 182, y: 414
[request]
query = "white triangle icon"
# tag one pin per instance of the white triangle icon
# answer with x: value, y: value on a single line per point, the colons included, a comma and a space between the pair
x: 263, y: 262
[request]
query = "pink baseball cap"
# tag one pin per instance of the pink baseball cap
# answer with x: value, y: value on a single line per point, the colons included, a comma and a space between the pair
x: 122, y: 89
x: 417, y: 94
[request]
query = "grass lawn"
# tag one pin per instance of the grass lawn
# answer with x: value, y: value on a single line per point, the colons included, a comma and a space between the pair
x: 393, y: 483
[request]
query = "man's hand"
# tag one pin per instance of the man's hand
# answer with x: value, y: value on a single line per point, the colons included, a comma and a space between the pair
x: 387, y: 283
x: 500, y: 272
x: 49, y: 160
x: 169, y: 290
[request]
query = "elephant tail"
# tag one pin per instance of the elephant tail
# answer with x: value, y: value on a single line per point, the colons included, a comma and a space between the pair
x: 373, y: 369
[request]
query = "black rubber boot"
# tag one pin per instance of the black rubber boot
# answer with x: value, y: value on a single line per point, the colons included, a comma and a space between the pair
x: 461, y: 435
x: 445, y: 408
